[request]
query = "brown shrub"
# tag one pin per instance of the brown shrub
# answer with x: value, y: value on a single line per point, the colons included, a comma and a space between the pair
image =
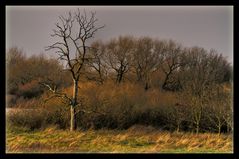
x: 30, y: 89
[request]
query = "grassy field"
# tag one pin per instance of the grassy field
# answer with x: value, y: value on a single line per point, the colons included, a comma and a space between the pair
x: 136, y: 139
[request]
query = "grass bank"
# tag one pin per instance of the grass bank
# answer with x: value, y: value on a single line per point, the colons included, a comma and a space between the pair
x: 134, y: 140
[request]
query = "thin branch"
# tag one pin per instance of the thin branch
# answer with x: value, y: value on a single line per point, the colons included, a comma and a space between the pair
x: 56, y: 94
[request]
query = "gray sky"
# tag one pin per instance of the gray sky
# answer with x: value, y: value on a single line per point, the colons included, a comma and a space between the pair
x: 29, y: 27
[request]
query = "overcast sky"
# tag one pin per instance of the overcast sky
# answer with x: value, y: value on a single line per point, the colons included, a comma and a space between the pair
x: 29, y: 27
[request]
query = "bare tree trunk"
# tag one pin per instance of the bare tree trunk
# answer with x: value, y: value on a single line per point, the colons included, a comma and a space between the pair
x: 219, y: 130
x: 219, y: 127
x: 75, y: 92
x: 74, y: 103
x: 73, y: 119
x: 119, y: 76
x: 147, y: 82
x: 197, y: 128
x: 165, y: 82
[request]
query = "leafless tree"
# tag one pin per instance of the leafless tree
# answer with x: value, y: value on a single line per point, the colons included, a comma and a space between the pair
x: 119, y: 56
x: 179, y: 115
x: 98, y: 64
x: 72, y: 34
x: 146, y: 58
x: 220, y: 106
x: 219, y: 67
x: 172, y: 61
x: 202, y: 72
x: 228, y: 112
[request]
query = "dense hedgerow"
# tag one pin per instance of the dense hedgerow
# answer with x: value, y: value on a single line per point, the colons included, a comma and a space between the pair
x: 111, y: 106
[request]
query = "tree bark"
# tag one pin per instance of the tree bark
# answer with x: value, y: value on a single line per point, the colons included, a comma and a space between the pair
x: 74, y: 103
x: 73, y: 119
x: 75, y: 92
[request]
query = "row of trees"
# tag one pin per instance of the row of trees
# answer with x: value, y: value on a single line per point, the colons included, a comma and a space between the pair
x: 173, y: 69
x: 183, y: 67
x: 196, y: 74
x: 140, y: 59
x: 195, y: 106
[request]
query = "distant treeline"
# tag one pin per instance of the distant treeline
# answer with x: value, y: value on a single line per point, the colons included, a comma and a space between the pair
x: 127, y: 81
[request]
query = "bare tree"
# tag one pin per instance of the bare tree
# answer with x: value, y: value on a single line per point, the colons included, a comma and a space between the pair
x: 179, y: 115
x: 221, y: 108
x: 72, y: 34
x: 196, y: 106
x: 228, y: 112
x: 219, y: 67
x: 119, y: 56
x: 172, y: 61
x: 98, y: 63
x: 146, y: 58
x: 202, y: 73
x: 197, y: 84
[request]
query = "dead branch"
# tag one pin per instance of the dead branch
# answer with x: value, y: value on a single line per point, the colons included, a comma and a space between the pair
x: 56, y: 94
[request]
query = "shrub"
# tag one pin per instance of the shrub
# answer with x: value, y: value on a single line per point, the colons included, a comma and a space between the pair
x: 36, y: 114
x: 122, y: 106
x: 23, y: 103
x: 31, y: 119
x: 30, y: 90
x: 11, y: 100
x: 113, y: 106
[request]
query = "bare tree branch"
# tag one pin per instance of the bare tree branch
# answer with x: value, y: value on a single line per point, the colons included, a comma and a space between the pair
x: 53, y: 89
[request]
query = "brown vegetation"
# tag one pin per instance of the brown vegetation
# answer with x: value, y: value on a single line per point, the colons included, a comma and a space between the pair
x: 121, y: 82
x: 137, y: 139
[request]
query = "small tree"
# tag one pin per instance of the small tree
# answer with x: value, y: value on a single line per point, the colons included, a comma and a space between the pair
x: 228, y: 114
x: 72, y: 36
x: 220, y: 105
x: 180, y: 113
x: 202, y: 72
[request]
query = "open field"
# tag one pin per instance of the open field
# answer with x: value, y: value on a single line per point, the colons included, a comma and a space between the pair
x: 136, y: 139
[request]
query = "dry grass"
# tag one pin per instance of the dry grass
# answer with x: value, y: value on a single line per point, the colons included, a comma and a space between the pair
x: 135, y: 139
